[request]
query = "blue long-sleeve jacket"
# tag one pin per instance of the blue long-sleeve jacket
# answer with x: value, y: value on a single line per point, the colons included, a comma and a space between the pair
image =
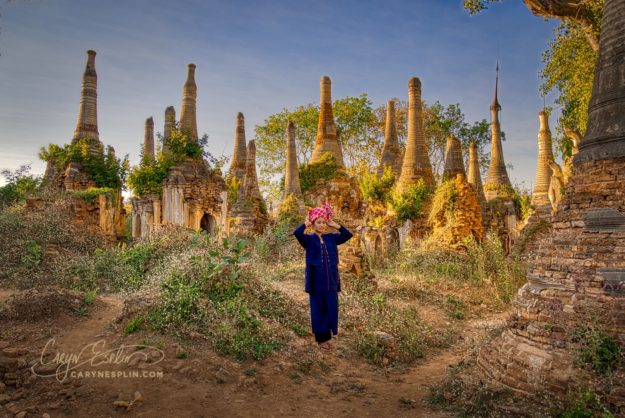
x: 322, y: 268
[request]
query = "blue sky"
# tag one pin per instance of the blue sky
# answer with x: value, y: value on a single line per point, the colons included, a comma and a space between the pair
x: 258, y: 57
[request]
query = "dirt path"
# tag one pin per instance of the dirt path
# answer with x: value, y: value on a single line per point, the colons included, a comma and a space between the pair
x: 207, y: 385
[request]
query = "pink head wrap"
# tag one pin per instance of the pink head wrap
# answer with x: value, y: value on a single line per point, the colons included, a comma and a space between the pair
x: 324, y: 211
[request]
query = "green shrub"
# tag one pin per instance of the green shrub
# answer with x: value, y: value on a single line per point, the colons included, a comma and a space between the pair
x: 587, y: 404
x: 92, y: 193
x: 324, y: 169
x: 377, y: 188
x: 18, y: 184
x: 147, y: 178
x: 597, y: 350
x: 105, y: 169
x: 133, y: 325
x: 443, y: 204
x: 407, y: 204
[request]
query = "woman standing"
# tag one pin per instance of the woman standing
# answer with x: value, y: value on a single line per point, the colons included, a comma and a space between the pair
x: 322, y: 276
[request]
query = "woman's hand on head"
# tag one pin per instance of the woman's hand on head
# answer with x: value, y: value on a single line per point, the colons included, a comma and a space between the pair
x: 307, y: 222
x: 333, y: 224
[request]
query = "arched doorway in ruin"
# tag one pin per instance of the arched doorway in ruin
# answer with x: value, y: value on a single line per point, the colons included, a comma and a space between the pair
x: 208, y: 223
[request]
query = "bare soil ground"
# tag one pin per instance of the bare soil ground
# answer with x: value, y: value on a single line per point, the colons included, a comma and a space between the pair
x: 197, y: 382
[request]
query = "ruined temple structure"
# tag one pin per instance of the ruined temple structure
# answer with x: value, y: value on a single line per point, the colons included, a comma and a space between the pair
x: 291, y: 169
x: 576, y: 273
x: 475, y: 178
x: 453, y: 159
x: 148, y: 139
x: 391, y: 153
x: 105, y: 213
x: 327, y: 140
x: 193, y: 195
x: 249, y: 214
x: 540, y: 198
x: 416, y: 162
x: 497, y: 174
x: 239, y: 156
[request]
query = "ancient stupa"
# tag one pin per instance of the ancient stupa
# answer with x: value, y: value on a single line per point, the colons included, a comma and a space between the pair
x: 475, y: 178
x: 188, y: 121
x: 416, y: 163
x: 497, y: 173
x: 239, y: 156
x: 249, y: 212
x: 170, y: 123
x: 105, y: 215
x: 327, y: 140
x: 291, y: 170
x: 391, y: 153
x: 540, y: 196
x: 576, y: 275
x: 148, y: 139
x: 453, y: 159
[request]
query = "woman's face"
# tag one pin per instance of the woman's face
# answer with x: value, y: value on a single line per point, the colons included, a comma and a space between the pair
x: 320, y: 225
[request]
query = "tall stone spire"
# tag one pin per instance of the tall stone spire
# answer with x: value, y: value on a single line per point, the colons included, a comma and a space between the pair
x: 475, y: 177
x: 540, y: 194
x: 148, y: 139
x: 416, y: 164
x: 188, y: 121
x: 291, y: 172
x: 170, y: 123
x: 239, y: 156
x: 250, y: 185
x: 497, y: 173
x: 327, y: 140
x: 87, y: 125
x: 453, y: 159
x: 391, y: 154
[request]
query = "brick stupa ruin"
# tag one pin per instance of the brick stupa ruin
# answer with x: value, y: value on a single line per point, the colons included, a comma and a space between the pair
x: 474, y: 176
x: 193, y: 195
x: 291, y: 170
x: 497, y: 174
x: 391, y: 153
x: 453, y: 159
x: 239, y: 157
x: 577, y: 270
x: 249, y: 214
x: 416, y: 163
x: 540, y: 198
x: 105, y: 214
x: 327, y: 139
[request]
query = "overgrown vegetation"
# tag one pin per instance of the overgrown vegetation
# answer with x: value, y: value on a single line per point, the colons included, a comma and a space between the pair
x: 19, y: 183
x: 147, y: 178
x: 105, y: 169
x: 324, y: 169
x: 407, y: 203
x: 377, y: 188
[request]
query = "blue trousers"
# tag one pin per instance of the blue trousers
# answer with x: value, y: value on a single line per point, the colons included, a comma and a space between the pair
x: 324, y: 311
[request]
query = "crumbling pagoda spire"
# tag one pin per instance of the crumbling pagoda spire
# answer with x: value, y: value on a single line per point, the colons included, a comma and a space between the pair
x: 453, y: 159
x: 416, y: 163
x: 87, y: 125
x: 540, y: 194
x: 170, y: 123
x: 497, y: 173
x: 148, y: 139
x: 391, y: 154
x: 291, y: 172
x: 475, y: 177
x: 327, y: 140
x: 188, y: 121
x: 250, y: 184
x: 239, y: 157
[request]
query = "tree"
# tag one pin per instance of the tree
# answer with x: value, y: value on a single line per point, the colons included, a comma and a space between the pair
x: 18, y: 184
